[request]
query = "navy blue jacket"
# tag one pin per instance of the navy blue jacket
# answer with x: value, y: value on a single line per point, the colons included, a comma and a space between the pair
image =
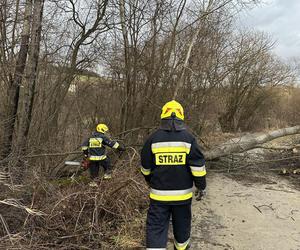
x: 172, y: 162
x: 94, y: 146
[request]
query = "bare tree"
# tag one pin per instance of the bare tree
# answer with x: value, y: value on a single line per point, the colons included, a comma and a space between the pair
x: 252, y: 69
x: 85, y: 23
x: 31, y: 74
x: 15, y: 83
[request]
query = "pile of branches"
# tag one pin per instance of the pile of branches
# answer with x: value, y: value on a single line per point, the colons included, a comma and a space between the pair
x: 45, y: 214
x: 48, y: 215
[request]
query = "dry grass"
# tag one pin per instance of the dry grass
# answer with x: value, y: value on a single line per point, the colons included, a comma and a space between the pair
x: 76, y: 216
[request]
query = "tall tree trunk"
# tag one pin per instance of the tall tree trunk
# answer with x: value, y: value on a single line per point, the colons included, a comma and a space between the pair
x: 208, y: 9
x: 14, y: 88
x: 31, y: 74
x: 125, y: 105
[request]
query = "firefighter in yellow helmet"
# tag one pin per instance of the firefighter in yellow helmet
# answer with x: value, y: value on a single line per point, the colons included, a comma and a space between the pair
x: 94, y: 149
x: 171, y: 163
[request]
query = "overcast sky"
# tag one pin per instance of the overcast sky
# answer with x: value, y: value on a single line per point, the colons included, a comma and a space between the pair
x: 279, y: 18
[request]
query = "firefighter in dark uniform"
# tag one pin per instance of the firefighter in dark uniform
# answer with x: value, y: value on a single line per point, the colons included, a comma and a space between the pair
x: 94, y: 149
x: 171, y: 163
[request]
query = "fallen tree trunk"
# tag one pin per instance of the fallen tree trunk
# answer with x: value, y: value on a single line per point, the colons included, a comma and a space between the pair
x: 242, y: 144
x: 233, y: 146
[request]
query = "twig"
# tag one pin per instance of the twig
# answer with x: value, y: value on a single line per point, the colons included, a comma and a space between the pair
x: 31, y: 206
x: 279, y: 148
x: 54, y: 154
x: 120, y: 187
x: 257, y: 209
x: 15, y: 203
x: 294, y: 210
x: 133, y: 155
x: 79, y: 215
x: 133, y: 130
x: 154, y: 104
x: 6, y: 229
x: 137, y: 185
x: 108, y: 211
x: 256, y: 163
x: 269, y: 206
x: 277, y: 160
x: 199, y: 137
x: 280, y: 190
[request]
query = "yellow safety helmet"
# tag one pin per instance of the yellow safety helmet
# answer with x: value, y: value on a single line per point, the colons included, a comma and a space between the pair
x: 172, y: 107
x: 102, y: 128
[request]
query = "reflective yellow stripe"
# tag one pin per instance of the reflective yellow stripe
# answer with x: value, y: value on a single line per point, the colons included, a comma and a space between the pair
x: 165, y: 147
x: 181, y: 246
x: 170, y: 150
x: 84, y: 147
x: 116, y: 145
x: 97, y: 158
x: 171, y: 195
x: 198, y: 171
x: 145, y: 171
x: 95, y: 142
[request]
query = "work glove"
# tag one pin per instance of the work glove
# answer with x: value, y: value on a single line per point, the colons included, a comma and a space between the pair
x: 121, y: 147
x: 199, y: 194
x: 85, y: 153
x: 85, y: 164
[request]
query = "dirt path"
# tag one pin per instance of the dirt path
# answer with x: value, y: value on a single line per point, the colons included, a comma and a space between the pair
x: 247, y: 217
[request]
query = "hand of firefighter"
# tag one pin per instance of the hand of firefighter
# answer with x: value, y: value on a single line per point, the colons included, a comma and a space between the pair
x: 121, y: 147
x: 85, y: 164
x: 85, y: 153
x: 199, y: 194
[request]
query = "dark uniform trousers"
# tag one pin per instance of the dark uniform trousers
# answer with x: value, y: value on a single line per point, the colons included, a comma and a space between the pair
x: 157, y: 225
x: 95, y: 165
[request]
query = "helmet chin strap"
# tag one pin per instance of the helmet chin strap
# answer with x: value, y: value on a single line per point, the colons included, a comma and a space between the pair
x: 173, y: 116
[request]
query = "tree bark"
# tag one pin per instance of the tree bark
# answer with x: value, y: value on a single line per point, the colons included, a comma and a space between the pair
x: 125, y: 105
x: 207, y: 11
x: 31, y: 73
x: 14, y: 88
x: 242, y: 144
